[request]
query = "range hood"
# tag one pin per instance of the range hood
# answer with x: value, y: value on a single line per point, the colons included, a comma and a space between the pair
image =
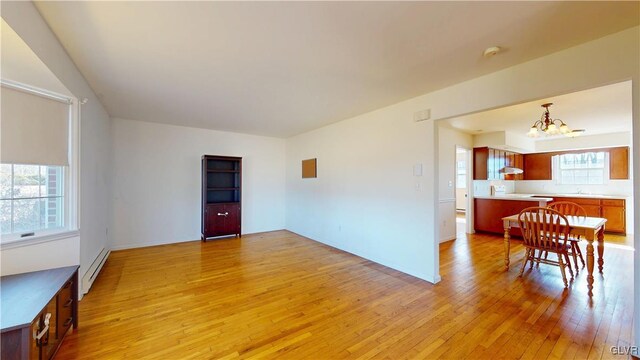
x: 507, y: 170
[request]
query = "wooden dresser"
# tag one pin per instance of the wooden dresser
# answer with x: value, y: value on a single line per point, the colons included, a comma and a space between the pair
x: 37, y: 309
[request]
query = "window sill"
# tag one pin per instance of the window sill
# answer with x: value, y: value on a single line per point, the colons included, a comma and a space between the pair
x: 38, y: 239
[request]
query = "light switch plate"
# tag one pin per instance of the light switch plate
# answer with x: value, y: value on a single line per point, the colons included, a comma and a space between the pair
x: 417, y: 170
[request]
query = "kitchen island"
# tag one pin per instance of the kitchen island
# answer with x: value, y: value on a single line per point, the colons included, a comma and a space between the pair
x: 489, y: 210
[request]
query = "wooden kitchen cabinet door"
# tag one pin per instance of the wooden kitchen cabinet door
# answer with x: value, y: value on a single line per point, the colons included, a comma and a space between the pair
x: 619, y: 163
x: 537, y: 166
x: 615, y: 216
x: 480, y: 163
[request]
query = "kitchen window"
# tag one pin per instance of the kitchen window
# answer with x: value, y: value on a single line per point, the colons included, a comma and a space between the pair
x: 587, y: 168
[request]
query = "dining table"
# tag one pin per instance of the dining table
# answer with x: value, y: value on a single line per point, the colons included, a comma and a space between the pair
x: 590, y: 228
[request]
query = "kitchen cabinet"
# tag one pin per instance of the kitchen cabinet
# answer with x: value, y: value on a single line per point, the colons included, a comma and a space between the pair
x: 537, y: 166
x: 488, y: 213
x: 488, y: 162
x: 614, y: 210
x: 480, y: 163
x: 619, y: 163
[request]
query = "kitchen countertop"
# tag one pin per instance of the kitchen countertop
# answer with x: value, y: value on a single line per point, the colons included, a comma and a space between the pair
x: 588, y: 196
x: 517, y: 197
x: 547, y: 197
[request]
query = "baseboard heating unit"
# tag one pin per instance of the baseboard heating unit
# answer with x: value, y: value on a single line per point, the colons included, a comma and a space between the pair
x: 91, y: 274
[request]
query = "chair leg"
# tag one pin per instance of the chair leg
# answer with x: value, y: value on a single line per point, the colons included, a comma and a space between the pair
x: 579, y: 254
x: 540, y: 256
x: 564, y: 276
x: 524, y: 263
x: 574, y: 252
x: 566, y: 256
x: 532, y: 258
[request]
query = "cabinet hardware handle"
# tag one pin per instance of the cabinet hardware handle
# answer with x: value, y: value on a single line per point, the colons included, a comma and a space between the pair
x: 68, y: 303
x: 221, y: 214
x: 38, y: 336
x: 69, y: 320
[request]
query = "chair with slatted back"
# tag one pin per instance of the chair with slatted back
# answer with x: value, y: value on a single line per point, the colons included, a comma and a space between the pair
x: 569, y: 208
x: 547, y: 230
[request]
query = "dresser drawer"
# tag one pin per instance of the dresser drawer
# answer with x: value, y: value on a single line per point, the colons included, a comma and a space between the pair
x: 65, y: 314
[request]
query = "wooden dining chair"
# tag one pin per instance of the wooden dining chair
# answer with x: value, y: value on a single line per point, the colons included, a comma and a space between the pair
x: 545, y: 229
x: 569, y: 208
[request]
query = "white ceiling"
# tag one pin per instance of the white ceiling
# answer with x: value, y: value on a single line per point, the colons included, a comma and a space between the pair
x: 603, y: 110
x: 283, y: 68
x: 20, y: 64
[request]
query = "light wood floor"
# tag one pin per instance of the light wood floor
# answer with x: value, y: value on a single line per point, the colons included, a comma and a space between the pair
x: 279, y: 295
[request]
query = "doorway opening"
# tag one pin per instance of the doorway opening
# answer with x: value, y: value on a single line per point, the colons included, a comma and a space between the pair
x: 463, y: 210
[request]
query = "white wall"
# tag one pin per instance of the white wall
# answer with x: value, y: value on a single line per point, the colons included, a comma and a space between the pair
x: 46, y: 255
x: 20, y: 64
x: 448, y: 140
x: 366, y: 199
x: 585, y: 142
x: 157, y: 181
x: 26, y: 21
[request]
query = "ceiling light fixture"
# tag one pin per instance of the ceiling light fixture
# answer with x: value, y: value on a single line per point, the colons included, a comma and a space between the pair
x: 490, y: 51
x: 550, y: 127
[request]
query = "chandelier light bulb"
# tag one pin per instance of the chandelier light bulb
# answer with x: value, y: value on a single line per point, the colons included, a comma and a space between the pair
x: 564, y: 129
x: 533, y: 132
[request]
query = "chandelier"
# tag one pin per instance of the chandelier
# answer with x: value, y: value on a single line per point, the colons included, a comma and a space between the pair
x: 549, y: 127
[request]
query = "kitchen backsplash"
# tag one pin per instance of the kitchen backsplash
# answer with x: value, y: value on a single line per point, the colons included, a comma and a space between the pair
x: 483, y: 187
x: 613, y: 187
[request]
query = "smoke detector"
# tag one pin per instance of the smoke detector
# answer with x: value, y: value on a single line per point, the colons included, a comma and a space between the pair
x: 490, y: 51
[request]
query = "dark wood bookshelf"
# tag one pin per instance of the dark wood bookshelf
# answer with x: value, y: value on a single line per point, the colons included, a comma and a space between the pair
x: 221, y: 196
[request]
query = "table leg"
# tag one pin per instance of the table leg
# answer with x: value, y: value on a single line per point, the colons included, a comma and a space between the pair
x: 601, y: 249
x: 507, y: 246
x: 590, y: 266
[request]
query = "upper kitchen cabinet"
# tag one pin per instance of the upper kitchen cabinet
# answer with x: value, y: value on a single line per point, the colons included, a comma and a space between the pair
x: 488, y: 163
x: 619, y: 163
x: 537, y: 166
x: 481, y: 163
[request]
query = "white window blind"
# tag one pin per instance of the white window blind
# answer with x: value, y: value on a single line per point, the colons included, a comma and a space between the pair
x: 34, y: 129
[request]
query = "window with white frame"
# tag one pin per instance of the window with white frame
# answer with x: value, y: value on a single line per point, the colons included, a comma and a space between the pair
x: 37, y: 173
x: 461, y: 174
x: 31, y: 198
x: 587, y: 168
